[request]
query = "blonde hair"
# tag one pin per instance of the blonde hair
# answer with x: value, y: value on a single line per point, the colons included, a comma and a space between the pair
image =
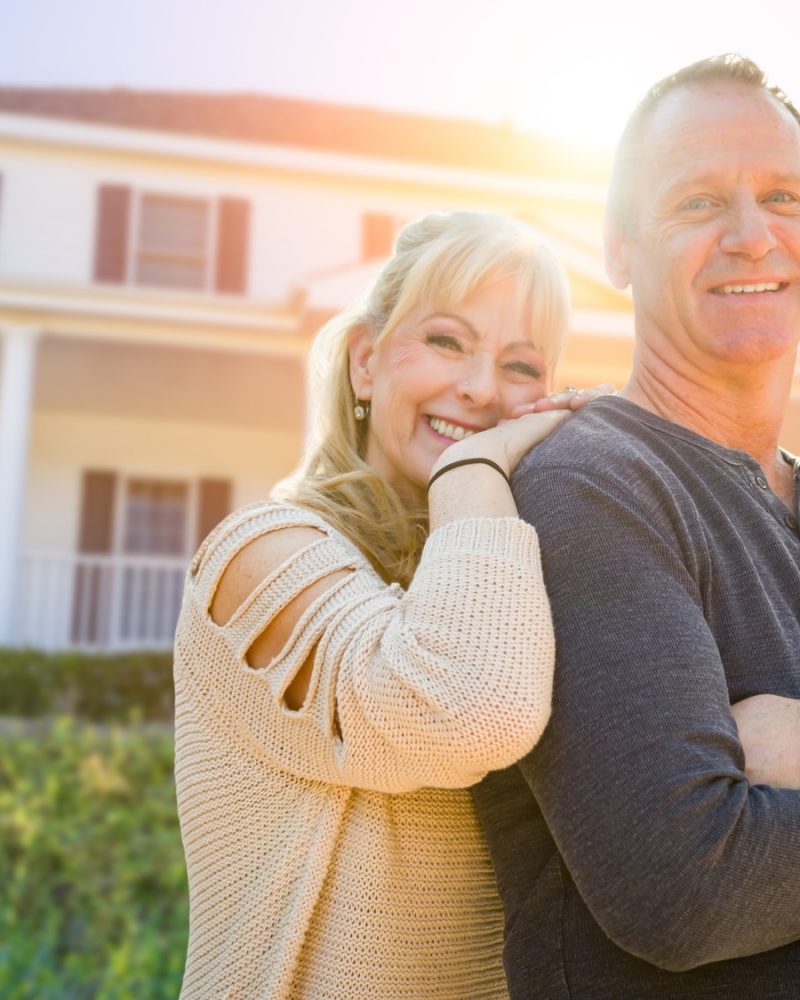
x: 438, y: 261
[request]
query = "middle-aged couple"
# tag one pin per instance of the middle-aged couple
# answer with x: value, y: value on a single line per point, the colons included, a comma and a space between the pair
x: 342, y: 681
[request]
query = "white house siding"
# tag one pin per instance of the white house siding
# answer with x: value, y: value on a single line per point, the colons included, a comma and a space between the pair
x: 46, y: 216
x: 299, y: 225
x: 63, y: 445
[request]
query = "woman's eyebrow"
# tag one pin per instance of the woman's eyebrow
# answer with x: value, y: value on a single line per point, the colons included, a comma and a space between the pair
x: 459, y: 319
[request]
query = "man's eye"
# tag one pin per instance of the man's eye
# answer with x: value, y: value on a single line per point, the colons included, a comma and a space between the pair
x: 697, y: 203
x: 445, y: 340
x: 782, y: 197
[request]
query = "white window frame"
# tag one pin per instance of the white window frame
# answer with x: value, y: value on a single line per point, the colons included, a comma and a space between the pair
x: 134, y: 238
x: 192, y: 485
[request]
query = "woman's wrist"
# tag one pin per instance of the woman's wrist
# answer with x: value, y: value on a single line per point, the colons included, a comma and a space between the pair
x: 458, y: 463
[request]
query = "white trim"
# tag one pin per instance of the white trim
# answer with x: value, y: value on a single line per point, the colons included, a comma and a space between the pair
x: 133, y: 235
x: 16, y: 396
x: 148, y: 315
x: 250, y: 155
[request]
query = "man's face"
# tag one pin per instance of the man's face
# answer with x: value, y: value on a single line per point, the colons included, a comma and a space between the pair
x: 713, y: 257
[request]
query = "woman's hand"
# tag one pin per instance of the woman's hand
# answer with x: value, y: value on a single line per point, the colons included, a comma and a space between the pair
x: 530, y: 423
x: 478, y: 490
x: 568, y: 398
x: 769, y: 729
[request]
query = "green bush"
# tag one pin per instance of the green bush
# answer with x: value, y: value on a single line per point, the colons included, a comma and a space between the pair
x: 102, y: 687
x: 94, y: 899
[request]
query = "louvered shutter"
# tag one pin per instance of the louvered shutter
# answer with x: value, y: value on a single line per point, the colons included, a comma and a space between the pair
x: 233, y: 244
x: 111, y: 233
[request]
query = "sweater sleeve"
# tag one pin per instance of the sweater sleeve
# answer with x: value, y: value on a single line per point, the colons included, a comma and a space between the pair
x: 640, y: 774
x: 430, y: 687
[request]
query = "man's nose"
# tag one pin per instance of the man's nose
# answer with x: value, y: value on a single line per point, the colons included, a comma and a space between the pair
x: 749, y: 230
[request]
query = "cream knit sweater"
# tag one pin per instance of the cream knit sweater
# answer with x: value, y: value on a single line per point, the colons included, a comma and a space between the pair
x: 333, y: 852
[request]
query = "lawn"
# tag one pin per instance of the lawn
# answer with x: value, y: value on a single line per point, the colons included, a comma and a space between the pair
x: 93, y: 900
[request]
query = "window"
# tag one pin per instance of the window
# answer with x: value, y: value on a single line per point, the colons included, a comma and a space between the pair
x: 173, y: 244
x: 156, y: 517
x: 135, y: 537
x: 163, y: 240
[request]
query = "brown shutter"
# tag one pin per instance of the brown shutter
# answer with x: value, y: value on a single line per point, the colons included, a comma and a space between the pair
x: 377, y: 235
x: 214, y: 504
x: 97, y: 512
x: 233, y: 239
x: 111, y: 233
x: 92, y: 589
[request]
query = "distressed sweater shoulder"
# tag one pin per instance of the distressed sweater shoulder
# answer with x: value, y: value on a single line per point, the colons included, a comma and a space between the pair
x: 332, y: 851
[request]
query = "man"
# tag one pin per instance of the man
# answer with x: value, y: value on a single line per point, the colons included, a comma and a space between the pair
x: 634, y: 857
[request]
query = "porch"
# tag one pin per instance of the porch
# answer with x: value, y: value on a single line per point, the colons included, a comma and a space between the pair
x: 97, y: 602
x: 123, y: 440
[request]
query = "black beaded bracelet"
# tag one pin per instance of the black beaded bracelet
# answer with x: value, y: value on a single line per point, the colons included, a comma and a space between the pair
x: 467, y: 461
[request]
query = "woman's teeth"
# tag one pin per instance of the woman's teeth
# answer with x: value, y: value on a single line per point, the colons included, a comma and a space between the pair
x: 749, y: 289
x: 453, y: 431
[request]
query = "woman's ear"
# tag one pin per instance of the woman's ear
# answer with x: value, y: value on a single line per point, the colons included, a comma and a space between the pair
x: 361, y: 348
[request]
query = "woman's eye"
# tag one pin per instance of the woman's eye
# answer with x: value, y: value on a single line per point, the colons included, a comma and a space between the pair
x: 523, y: 368
x: 446, y: 340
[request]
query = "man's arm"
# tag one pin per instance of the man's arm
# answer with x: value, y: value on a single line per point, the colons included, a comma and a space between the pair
x: 640, y: 774
x: 769, y: 730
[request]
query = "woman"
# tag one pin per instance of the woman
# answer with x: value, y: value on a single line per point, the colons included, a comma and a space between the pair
x: 328, y: 720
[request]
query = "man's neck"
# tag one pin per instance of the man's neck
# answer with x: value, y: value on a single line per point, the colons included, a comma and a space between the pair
x: 746, y: 417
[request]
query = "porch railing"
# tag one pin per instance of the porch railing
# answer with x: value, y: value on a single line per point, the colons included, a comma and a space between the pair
x: 98, y: 602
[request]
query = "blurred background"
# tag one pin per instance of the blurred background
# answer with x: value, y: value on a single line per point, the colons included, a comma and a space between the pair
x: 187, y: 191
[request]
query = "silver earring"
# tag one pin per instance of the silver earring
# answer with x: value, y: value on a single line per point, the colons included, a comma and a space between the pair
x: 361, y: 409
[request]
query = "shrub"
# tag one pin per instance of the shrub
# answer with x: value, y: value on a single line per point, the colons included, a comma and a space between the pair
x: 102, y: 687
x: 94, y: 901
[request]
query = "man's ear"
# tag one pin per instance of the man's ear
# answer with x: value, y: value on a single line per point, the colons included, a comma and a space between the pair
x: 361, y: 348
x: 616, y: 245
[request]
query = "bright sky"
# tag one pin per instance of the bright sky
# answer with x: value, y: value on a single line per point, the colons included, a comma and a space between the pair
x: 571, y: 68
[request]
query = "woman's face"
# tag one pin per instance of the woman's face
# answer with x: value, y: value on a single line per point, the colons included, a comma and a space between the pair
x: 439, y: 376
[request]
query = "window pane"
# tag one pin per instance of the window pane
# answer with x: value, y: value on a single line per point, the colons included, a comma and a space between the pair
x: 173, y: 225
x: 155, y: 517
x: 173, y: 242
x: 166, y: 273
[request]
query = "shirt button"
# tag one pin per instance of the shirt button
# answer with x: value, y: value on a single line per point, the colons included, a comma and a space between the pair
x: 790, y: 522
x: 761, y: 483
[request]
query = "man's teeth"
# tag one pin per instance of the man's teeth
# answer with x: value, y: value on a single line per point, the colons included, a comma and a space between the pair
x: 453, y: 431
x: 745, y: 289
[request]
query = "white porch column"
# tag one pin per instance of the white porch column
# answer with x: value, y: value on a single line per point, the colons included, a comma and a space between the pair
x: 16, y: 390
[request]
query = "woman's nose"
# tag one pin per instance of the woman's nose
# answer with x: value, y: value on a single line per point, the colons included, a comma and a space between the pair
x: 478, y: 384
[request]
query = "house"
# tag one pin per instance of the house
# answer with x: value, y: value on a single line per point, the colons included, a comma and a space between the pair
x: 164, y: 261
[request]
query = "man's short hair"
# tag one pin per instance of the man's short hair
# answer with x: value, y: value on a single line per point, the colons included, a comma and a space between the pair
x: 729, y: 66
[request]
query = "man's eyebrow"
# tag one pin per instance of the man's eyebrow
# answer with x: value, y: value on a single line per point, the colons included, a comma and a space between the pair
x: 792, y: 179
x: 709, y: 179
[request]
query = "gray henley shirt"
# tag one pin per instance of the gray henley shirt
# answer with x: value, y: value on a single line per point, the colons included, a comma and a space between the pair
x: 633, y: 856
